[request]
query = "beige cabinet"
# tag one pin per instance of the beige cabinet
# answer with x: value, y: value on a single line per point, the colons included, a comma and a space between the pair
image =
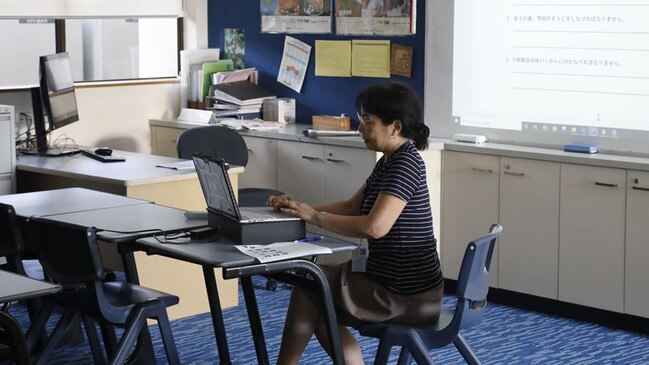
x: 592, y: 235
x: 261, y: 171
x: 469, y: 207
x: 636, y: 283
x: 528, y: 250
x: 318, y: 174
x: 164, y: 140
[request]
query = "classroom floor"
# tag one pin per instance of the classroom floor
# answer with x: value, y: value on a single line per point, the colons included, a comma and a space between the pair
x: 505, y: 336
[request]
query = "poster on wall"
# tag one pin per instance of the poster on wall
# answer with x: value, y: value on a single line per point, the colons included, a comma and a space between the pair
x: 376, y: 17
x: 296, y: 16
x: 235, y: 46
x: 295, y: 60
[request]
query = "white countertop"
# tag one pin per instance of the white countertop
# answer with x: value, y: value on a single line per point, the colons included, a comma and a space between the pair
x: 293, y: 132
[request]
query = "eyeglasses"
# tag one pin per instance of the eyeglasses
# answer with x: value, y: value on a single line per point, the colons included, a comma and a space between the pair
x: 365, y: 119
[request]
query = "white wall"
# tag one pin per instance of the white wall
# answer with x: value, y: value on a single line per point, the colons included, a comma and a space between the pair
x: 118, y: 116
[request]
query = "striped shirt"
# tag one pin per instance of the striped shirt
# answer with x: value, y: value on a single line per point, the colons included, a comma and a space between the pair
x: 405, y: 260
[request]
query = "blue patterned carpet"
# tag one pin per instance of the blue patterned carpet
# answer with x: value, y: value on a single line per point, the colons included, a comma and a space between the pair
x: 505, y: 336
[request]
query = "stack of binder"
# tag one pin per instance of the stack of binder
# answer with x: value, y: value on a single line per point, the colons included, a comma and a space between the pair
x: 235, y: 94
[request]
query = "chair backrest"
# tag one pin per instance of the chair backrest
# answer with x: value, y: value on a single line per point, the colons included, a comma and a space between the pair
x: 473, y: 280
x: 214, y: 141
x: 11, y: 242
x: 69, y: 253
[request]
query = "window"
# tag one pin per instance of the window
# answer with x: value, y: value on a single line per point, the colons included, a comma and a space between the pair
x: 122, y: 48
x: 100, y: 48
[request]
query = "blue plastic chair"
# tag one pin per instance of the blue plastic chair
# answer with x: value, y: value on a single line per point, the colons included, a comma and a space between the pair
x: 417, y: 340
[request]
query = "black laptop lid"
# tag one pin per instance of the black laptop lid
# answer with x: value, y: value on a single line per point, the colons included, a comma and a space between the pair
x: 215, y: 182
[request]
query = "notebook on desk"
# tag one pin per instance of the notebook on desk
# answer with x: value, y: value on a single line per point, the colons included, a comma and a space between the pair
x: 248, y: 225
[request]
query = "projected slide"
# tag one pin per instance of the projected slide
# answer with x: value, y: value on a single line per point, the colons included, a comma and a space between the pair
x: 565, y: 64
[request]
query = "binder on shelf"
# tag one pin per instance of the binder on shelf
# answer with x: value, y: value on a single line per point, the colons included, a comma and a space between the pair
x: 241, y: 93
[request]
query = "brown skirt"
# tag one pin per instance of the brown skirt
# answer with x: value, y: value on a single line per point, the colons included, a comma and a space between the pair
x: 358, y: 298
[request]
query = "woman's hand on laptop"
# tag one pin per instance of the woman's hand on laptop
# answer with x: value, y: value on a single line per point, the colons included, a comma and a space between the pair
x: 275, y: 201
x: 286, y: 204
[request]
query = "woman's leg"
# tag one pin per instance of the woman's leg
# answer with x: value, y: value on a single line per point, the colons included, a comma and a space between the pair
x: 300, y: 325
x: 351, y: 349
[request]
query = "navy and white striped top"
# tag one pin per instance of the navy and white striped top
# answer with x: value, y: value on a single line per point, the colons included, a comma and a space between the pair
x: 405, y: 260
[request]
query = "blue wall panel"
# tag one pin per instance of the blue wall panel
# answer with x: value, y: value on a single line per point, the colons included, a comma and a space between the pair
x: 319, y: 95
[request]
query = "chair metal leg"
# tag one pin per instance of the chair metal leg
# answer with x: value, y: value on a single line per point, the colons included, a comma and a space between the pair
x: 59, y: 331
x: 37, y: 326
x: 383, y: 352
x: 465, y: 351
x: 93, y: 340
x: 136, y: 322
x: 15, y: 335
x: 167, y: 336
x: 418, y: 350
x: 404, y: 357
x: 109, y: 336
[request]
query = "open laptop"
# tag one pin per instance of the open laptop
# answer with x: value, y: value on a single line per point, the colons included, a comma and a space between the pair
x: 247, y: 225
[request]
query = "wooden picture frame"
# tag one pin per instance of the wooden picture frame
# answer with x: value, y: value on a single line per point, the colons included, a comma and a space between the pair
x: 401, y: 60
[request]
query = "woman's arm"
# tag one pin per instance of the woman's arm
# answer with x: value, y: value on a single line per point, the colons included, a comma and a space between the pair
x: 351, y: 206
x: 378, y: 223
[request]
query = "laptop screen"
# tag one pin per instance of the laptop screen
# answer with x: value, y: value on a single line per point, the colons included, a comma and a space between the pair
x: 215, y: 182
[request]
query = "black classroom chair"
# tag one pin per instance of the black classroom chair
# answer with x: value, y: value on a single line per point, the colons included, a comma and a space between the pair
x: 70, y: 257
x: 417, y: 340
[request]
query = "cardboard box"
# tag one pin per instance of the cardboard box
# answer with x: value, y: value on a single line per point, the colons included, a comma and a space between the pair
x: 330, y: 122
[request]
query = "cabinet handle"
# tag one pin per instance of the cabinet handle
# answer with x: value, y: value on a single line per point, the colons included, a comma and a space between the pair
x: 514, y: 173
x: 486, y: 171
x: 335, y: 160
x: 311, y: 158
x: 606, y: 184
x: 639, y: 188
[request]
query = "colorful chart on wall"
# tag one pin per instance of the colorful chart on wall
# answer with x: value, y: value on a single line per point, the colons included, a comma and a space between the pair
x: 294, y: 63
x: 376, y: 17
x: 296, y: 16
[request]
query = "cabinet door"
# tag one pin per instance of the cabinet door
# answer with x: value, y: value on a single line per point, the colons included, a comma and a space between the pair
x: 636, y: 285
x: 528, y: 250
x: 261, y: 171
x: 591, y: 239
x: 300, y: 171
x: 163, y: 141
x: 469, y: 207
x: 346, y: 169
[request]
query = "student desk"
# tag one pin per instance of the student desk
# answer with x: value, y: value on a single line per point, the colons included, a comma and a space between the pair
x: 19, y: 287
x: 222, y: 254
x: 137, y: 177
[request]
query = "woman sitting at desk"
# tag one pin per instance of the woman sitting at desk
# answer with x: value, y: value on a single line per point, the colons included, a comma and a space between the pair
x: 402, y: 282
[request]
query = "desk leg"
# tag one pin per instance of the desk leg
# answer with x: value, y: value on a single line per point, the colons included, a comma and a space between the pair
x: 323, y: 285
x: 130, y: 268
x: 217, y: 315
x: 255, y: 321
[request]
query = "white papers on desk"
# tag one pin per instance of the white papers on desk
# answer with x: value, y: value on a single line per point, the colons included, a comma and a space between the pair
x: 282, y: 251
x: 187, y: 165
x: 251, y: 125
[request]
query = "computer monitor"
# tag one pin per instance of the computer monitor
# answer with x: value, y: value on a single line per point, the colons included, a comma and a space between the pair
x: 54, y: 101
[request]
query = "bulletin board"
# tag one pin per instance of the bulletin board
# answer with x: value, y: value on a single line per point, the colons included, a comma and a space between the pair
x: 319, y: 95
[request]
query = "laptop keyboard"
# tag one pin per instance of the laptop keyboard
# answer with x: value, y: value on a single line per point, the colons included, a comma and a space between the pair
x: 256, y: 215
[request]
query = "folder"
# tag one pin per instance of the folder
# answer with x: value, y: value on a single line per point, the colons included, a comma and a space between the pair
x: 210, y: 68
x: 241, y: 93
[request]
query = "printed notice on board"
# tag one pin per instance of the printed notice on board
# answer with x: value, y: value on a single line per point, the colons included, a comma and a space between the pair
x: 376, y: 17
x: 333, y: 58
x: 296, y: 16
x: 294, y: 63
x: 371, y: 58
